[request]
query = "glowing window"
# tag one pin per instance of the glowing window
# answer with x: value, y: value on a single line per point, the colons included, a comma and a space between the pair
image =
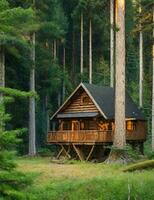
x: 131, y: 125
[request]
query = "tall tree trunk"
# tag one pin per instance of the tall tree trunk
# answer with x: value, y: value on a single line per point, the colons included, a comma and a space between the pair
x: 2, y: 80
x: 73, y: 53
x: 140, y: 64
x: 47, y: 112
x: 55, y: 50
x: 2, y: 67
x: 153, y: 88
x: 64, y: 65
x: 111, y: 43
x: 81, y: 55
x: 55, y: 57
x: 32, y: 128
x: 120, y: 137
x: 90, y: 51
x: 52, y: 50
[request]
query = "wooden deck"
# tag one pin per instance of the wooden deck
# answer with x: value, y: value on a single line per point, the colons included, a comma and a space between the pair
x: 89, y: 136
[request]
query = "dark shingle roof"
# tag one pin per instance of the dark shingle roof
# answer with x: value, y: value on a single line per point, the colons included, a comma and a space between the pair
x: 105, y: 98
x: 77, y: 115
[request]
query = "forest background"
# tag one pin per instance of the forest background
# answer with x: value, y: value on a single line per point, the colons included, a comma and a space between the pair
x: 57, y: 64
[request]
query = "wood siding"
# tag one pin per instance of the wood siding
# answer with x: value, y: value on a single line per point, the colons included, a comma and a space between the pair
x: 77, y: 106
x: 139, y: 133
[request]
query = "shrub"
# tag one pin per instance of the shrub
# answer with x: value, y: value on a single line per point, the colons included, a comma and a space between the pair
x: 45, y: 152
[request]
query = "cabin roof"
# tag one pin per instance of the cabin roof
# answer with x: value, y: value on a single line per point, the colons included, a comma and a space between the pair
x: 104, y: 97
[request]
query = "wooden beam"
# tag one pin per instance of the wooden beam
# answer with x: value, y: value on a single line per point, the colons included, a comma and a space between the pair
x: 66, y: 152
x: 90, y: 153
x: 60, y: 152
x: 63, y: 150
x: 78, y: 152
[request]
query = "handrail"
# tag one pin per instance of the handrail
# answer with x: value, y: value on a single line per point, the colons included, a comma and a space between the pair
x: 83, y: 136
x: 80, y: 136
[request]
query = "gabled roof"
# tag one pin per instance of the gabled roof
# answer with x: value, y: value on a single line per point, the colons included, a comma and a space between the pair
x: 104, y: 100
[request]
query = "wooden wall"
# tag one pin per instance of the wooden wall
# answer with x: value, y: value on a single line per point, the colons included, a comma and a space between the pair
x: 76, y: 105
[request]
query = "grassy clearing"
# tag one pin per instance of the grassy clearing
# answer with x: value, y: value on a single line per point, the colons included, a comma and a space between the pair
x: 86, y: 181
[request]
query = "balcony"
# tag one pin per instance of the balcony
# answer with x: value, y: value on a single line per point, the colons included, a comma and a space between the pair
x: 89, y: 136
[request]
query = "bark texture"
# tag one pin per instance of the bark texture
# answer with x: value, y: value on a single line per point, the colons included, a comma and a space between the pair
x: 120, y: 137
x: 32, y: 128
x: 111, y: 43
x: 54, y: 49
x: 81, y: 56
x: 140, y: 65
x: 2, y: 67
x: 64, y: 66
x: 90, y: 51
x: 2, y: 70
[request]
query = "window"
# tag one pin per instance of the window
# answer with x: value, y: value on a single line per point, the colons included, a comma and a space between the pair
x: 85, y: 100
x: 67, y: 125
x: 106, y: 125
x: 88, y: 125
x: 131, y: 125
x: 82, y: 126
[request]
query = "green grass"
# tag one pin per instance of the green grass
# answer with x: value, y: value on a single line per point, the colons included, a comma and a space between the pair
x: 86, y: 181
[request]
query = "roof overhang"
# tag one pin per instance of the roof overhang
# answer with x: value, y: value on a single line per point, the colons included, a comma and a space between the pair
x: 77, y: 115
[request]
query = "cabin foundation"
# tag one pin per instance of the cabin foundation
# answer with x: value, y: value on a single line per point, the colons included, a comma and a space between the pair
x: 82, y: 152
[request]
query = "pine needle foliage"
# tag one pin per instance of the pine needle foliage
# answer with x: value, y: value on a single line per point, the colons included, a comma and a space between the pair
x: 12, y: 182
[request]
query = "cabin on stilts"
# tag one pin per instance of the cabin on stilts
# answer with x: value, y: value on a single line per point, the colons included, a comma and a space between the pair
x: 84, y: 125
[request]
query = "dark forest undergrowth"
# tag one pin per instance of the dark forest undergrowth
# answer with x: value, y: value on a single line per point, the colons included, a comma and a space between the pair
x: 85, y: 181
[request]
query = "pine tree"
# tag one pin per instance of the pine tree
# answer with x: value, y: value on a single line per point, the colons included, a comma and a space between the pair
x: 140, y: 60
x: 81, y: 46
x: 153, y: 87
x: 117, y: 153
x: 90, y: 51
x: 12, y: 182
x: 120, y: 133
x: 32, y: 120
x: 111, y: 43
x: 15, y: 23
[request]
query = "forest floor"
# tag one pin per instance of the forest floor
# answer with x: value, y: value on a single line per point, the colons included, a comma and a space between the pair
x: 85, y: 181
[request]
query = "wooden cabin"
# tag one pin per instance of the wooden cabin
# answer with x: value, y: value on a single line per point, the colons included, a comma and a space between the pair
x: 84, y: 124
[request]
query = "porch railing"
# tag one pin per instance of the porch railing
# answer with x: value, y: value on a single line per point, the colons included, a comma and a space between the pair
x: 89, y: 136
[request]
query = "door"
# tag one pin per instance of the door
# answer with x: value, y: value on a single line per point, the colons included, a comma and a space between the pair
x: 75, y: 132
x: 75, y: 125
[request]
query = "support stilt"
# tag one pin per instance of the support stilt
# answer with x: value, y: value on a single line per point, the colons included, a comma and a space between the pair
x: 59, y: 153
x: 79, y: 152
x: 90, y: 153
x: 63, y: 150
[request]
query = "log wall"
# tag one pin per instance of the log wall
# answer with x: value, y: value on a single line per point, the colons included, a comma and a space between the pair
x: 77, y: 105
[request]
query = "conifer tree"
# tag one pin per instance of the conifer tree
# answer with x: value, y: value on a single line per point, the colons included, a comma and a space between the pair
x: 111, y: 43
x: 153, y: 85
x: 12, y: 182
x: 120, y: 133
x: 32, y: 120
